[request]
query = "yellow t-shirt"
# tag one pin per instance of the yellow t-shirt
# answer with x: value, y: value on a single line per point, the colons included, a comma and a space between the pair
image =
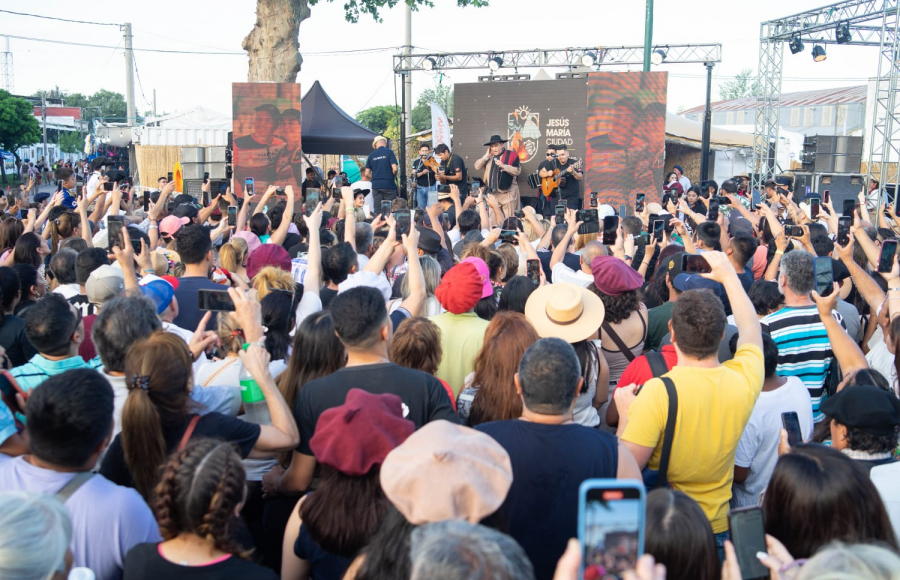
x: 714, y: 406
x: 461, y: 338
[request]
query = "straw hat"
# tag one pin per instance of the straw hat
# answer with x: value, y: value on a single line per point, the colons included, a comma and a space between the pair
x: 564, y: 311
x: 377, y: 139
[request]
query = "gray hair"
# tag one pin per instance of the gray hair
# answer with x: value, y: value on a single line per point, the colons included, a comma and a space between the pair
x: 458, y: 550
x: 549, y: 373
x: 123, y: 321
x: 799, y: 271
x: 840, y: 561
x: 432, y: 272
x: 62, y: 264
x: 364, y: 237
x: 35, y: 532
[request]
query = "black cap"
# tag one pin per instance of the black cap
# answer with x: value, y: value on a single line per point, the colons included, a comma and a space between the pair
x: 866, y: 408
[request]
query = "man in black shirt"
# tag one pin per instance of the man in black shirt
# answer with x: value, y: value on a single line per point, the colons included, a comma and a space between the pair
x: 569, y: 190
x: 362, y: 324
x: 453, y: 170
x: 310, y: 181
x: 545, y: 205
x: 426, y: 181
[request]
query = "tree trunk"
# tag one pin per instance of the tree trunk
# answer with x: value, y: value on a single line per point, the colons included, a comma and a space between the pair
x: 273, y: 45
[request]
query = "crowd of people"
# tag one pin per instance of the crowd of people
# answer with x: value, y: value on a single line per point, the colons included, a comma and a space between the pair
x: 315, y: 391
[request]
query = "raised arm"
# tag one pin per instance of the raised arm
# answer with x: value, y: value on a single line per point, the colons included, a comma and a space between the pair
x: 531, y: 217
x: 314, y: 254
x: 781, y: 244
x: 845, y: 349
x: 745, y: 317
x: 349, y: 219
x: 263, y: 200
x: 417, y: 292
x: 84, y: 224
x: 865, y: 284
x: 242, y: 215
x: 380, y: 258
x: 281, y: 233
x: 559, y: 252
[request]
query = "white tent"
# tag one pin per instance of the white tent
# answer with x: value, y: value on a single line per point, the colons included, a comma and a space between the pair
x: 197, y: 126
x: 687, y: 132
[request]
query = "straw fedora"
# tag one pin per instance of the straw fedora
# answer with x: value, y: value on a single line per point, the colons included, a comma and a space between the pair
x: 564, y: 311
x: 377, y: 139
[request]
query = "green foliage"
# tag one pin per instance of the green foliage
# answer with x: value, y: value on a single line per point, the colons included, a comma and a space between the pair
x: 18, y: 127
x: 743, y: 85
x: 70, y: 142
x: 379, y: 118
x: 421, y: 113
x: 353, y: 8
x: 103, y: 103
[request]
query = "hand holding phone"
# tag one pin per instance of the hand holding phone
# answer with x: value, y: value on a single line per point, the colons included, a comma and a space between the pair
x: 611, y: 522
x: 824, y: 276
x: 886, y: 259
x: 534, y: 271
x: 232, y: 216
x: 215, y: 300
x: 791, y: 424
x: 749, y: 538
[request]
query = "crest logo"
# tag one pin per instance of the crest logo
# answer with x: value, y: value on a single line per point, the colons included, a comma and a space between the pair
x: 524, y: 132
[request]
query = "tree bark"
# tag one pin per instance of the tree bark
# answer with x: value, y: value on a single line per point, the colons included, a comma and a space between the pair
x: 273, y: 45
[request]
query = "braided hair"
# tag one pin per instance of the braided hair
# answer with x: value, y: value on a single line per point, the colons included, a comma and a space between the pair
x: 200, y: 489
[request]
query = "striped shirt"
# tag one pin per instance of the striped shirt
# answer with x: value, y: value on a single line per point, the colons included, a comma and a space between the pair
x: 804, y: 350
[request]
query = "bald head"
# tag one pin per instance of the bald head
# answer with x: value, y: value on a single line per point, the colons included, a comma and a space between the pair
x: 591, y: 251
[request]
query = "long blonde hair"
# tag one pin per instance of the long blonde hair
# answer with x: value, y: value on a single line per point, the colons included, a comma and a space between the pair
x: 233, y: 255
x: 272, y: 278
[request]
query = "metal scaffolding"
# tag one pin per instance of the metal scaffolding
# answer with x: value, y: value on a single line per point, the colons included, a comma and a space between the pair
x: 858, y: 18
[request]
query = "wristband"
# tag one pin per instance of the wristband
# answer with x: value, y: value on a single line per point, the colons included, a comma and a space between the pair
x: 779, y: 252
x: 893, y: 289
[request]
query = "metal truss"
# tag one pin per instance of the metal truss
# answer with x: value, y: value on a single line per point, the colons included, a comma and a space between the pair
x: 557, y: 57
x: 818, y: 26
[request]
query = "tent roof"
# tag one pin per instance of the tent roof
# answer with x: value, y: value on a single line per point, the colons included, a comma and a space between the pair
x: 197, y: 118
x: 327, y: 129
x: 687, y: 132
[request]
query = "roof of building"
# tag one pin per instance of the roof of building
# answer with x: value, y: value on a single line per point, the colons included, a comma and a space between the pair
x: 838, y: 96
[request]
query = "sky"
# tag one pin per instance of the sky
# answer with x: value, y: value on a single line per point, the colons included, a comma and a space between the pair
x: 360, y: 80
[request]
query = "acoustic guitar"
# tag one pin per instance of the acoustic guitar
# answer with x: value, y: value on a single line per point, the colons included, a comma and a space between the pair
x: 553, y: 182
x: 432, y: 163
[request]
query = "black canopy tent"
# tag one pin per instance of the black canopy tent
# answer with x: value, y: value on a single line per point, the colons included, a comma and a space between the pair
x: 328, y: 130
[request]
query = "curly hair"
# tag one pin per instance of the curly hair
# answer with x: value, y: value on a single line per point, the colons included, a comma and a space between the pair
x: 201, y: 487
x: 618, y: 308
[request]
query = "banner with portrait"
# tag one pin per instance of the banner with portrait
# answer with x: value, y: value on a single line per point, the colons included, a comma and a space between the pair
x: 266, y: 125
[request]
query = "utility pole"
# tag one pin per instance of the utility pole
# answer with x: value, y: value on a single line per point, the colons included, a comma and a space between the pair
x: 406, y: 112
x: 44, y: 123
x: 707, y: 125
x: 154, y: 103
x: 129, y: 74
x: 6, y: 69
x: 648, y: 35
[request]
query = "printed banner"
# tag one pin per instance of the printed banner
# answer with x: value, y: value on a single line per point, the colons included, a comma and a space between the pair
x: 440, y: 127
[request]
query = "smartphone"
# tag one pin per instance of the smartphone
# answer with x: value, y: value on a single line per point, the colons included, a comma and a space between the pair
x: 205, y: 198
x: 695, y: 263
x: 610, y: 227
x: 611, y: 522
x: 791, y: 424
x: 169, y: 176
x: 642, y: 239
x: 248, y: 187
x: 534, y: 271
x: 445, y: 219
x: 843, y: 233
x: 433, y: 196
x: 215, y: 300
x: 793, y: 231
x: 79, y: 191
x: 560, y: 214
x: 280, y: 191
x: 509, y: 237
x: 639, y: 203
x: 721, y: 200
x: 815, y: 205
x: 114, y: 225
x: 108, y: 186
x: 888, y: 251
x: 385, y: 209
x: 659, y: 227
x: 749, y: 538
x: 824, y: 276
x: 826, y: 196
x: 593, y: 199
x: 146, y: 201
x: 312, y: 199
x: 402, y: 217
x: 849, y: 207
x: 232, y: 215
x: 713, y: 213
x: 205, y: 177
x: 442, y: 188
x: 136, y: 245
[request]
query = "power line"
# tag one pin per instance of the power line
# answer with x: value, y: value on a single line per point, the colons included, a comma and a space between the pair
x: 60, y: 19
x: 140, y: 84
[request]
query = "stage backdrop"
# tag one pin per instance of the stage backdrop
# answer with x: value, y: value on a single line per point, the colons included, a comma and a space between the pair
x: 267, y: 135
x: 614, y: 122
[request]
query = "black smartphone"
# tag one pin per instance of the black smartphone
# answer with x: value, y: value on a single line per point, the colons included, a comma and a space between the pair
x: 886, y: 261
x: 205, y: 199
x: 136, y: 245
x: 843, y: 233
x: 849, y: 207
x: 721, y: 200
x: 793, y: 231
x: 79, y: 191
x: 695, y: 263
x: 169, y: 176
x: 385, y: 209
x: 713, y: 213
x: 443, y: 188
x: 610, y: 227
x: 791, y: 424
x: 639, y: 203
x: 593, y: 199
x: 749, y: 538
x: 215, y: 300
x: 826, y: 196
x: 642, y: 239
x: 590, y: 221
x: 815, y: 205
x: 534, y: 271
x: 108, y: 186
x: 560, y: 214
x: 659, y: 228
x: 146, y: 201
x: 824, y: 276
x: 205, y: 177
x: 445, y: 220
x: 509, y: 237
x: 611, y: 526
x: 402, y: 217
x: 114, y: 225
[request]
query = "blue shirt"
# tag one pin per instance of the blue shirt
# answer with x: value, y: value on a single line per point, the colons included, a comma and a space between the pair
x: 380, y: 162
x: 31, y: 374
x: 68, y: 200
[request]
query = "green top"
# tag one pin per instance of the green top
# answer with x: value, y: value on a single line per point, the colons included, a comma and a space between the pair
x: 461, y: 338
x: 658, y: 324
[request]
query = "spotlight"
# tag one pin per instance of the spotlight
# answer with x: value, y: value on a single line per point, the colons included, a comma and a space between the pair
x: 429, y: 63
x: 818, y: 53
x: 588, y: 59
x: 495, y: 63
x: 842, y: 33
x: 658, y: 56
x: 796, y: 45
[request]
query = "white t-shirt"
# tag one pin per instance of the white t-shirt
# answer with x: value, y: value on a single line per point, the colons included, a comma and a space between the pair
x: 563, y: 273
x: 758, y: 446
x: 685, y: 182
x: 881, y: 360
x: 886, y: 479
x: 92, y: 184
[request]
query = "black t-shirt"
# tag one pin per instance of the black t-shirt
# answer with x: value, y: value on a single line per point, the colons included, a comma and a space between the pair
x: 572, y: 185
x: 453, y: 166
x: 424, y: 398
x: 143, y: 562
x: 549, y: 463
x: 571, y: 260
x: 13, y: 339
x: 326, y: 295
x: 426, y: 180
x: 210, y: 426
x: 80, y: 301
x: 307, y: 183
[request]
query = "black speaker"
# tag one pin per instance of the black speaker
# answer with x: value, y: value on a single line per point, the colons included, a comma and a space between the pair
x: 832, y: 154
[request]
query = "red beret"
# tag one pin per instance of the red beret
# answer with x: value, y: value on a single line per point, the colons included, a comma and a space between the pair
x: 268, y: 255
x: 460, y: 288
x: 614, y: 277
x: 360, y: 433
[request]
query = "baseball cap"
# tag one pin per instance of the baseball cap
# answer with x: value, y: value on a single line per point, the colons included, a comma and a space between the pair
x: 160, y: 292
x: 171, y: 224
x: 684, y: 282
x: 104, y: 283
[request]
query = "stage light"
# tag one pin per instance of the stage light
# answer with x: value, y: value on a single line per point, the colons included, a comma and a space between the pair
x: 658, y: 56
x: 818, y: 53
x: 495, y: 63
x: 588, y: 59
x: 429, y: 64
x: 796, y: 45
x: 842, y: 33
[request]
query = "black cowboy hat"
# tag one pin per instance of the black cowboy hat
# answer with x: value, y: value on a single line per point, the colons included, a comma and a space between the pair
x: 495, y: 139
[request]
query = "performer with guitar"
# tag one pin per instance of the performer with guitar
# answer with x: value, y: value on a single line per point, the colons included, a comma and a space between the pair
x: 452, y: 169
x: 501, y: 168
x: 425, y: 167
x: 560, y: 181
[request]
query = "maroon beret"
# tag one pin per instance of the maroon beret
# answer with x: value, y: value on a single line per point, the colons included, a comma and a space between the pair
x: 268, y: 255
x: 614, y: 277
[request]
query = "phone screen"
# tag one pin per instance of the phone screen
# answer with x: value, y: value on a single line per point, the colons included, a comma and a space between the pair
x: 146, y: 201
x: 114, y: 225
x: 385, y: 208
x: 312, y: 198
x: 593, y: 199
x: 205, y: 198
x: 642, y: 239
x: 560, y: 214
x: 695, y: 263
x: 793, y: 231
x: 611, y: 528
x: 216, y: 300
x: 843, y: 233
x: 169, y: 176
x: 849, y: 207
x: 814, y: 206
x: 791, y: 424
x: 432, y: 198
x: 509, y: 236
x: 639, y: 203
x: 826, y: 196
x: 610, y: 225
x: 534, y: 271
x: 713, y: 213
x: 749, y: 538
x: 722, y: 200
x: 232, y: 216
x: 886, y: 261
x: 402, y: 217
x: 824, y: 276
x: 248, y: 187
x: 659, y: 227
x: 108, y: 186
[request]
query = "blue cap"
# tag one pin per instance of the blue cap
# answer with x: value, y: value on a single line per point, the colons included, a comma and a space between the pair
x: 678, y: 167
x: 39, y: 197
x: 684, y: 282
x: 160, y: 292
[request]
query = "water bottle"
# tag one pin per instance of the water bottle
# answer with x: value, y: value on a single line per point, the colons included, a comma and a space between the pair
x: 255, y: 408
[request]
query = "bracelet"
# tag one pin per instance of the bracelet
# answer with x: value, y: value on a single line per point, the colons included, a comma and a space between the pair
x: 893, y: 289
x: 149, y: 270
x: 154, y: 227
x: 779, y: 252
x: 627, y: 257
